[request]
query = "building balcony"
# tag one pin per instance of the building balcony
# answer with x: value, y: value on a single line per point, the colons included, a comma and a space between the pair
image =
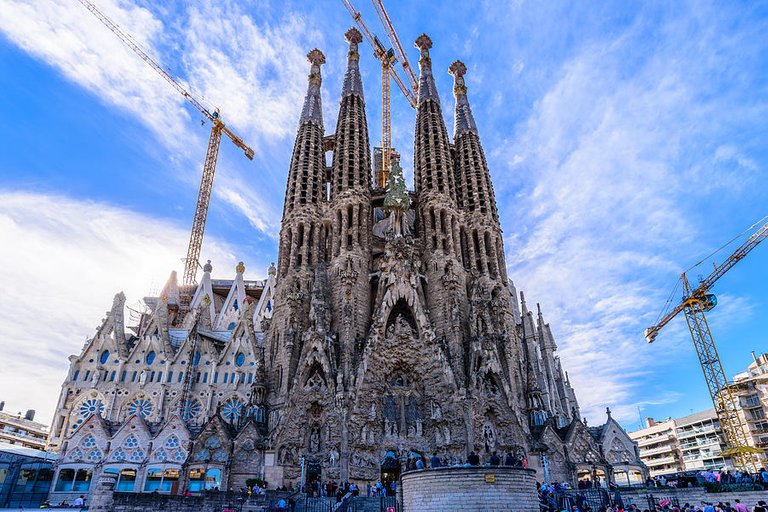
x: 686, y: 434
x: 648, y: 441
x: 669, y: 448
x: 662, y: 461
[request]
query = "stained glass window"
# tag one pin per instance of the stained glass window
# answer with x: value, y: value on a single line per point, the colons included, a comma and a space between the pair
x: 232, y: 410
x: 150, y: 357
x: 141, y: 407
x: 91, y: 406
x: 192, y: 409
x: 104, y: 357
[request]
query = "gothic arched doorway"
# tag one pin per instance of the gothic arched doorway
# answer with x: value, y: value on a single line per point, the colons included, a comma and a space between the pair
x: 390, y: 469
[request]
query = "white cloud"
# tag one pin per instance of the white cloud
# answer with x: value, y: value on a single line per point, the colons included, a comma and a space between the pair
x: 66, y: 36
x: 601, y: 183
x: 254, y: 70
x: 64, y: 261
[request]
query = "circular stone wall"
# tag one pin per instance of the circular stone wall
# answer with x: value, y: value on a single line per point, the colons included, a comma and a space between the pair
x: 478, y: 488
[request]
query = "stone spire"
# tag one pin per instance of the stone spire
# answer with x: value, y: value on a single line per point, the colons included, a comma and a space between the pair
x: 348, y: 244
x: 464, y: 121
x: 433, y: 169
x: 313, y: 107
x: 351, y: 158
x: 474, y: 191
x: 353, y: 84
x: 427, y: 89
x: 306, y: 179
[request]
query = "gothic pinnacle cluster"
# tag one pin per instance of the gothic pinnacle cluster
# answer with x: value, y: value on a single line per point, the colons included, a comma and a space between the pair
x: 387, y: 328
x: 420, y: 287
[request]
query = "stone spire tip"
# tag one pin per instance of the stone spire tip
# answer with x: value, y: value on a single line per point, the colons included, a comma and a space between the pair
x: 457, y: 69
x: 353, y: 36
x: 316, y: 57
x: 423, y: 42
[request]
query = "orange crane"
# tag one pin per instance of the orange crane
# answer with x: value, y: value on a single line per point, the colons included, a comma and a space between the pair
x: 388, y: 58
x: 192, y: 261
x: 694, y: 304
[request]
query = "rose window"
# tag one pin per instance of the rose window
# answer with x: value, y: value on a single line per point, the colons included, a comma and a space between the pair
x: 92, y: 406
x: 140, y: 407
x: 232, y: 410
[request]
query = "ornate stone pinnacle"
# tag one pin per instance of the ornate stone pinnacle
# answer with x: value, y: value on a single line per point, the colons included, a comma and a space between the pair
x: 457, y: 69
x: 240, y: 268
x: 353, y: 36
x: 208, y: 267
x: 316, y: 57
x: 423, y: 42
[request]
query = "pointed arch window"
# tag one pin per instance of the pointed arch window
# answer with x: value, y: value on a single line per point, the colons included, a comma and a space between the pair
x: 150, y: 357
x: 104, y: 357
x: 240, y: 359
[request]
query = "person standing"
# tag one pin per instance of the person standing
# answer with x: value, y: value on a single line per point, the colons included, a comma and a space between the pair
x: 434, y: 462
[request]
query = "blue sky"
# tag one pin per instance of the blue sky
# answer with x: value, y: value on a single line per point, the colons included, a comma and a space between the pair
x: 625, y: 140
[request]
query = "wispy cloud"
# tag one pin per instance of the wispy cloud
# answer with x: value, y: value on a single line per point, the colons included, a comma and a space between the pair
x: 601, y: 182
x: 252, y: 68
x: 65, y: 260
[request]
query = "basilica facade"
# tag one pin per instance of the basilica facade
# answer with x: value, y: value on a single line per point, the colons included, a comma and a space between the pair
x: 388, y: 328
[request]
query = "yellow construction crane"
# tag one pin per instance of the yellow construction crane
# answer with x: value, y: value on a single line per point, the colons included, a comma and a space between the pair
x: 191, y: 263
x: 694, y: 304
x: 388, y: 58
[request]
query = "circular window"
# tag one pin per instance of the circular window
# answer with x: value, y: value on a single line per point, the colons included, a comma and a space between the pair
x: 151, y: 357
x: 232, y: 409
x: 104, y: 357
x: 240, y: 359
x: 141, y: 407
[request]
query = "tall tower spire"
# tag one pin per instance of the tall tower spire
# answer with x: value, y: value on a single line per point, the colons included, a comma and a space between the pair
x: 348, y: 222
x: 481, y: 236
x: 432, y: 163
x: 439, y: 217
x: 299, y: 250
x: 306, y: 179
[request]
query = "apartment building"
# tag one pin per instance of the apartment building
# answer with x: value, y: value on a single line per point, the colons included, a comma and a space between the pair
x: 21, y: 430
x: 658, y: 446
x: 701, y: 442
x: 751, y: 391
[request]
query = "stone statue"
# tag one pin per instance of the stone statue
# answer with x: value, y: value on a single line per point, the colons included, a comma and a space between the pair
x: 314, y: 440
x: 95, y: 378
x: 437, y: 411
x: 142, y: 378
x: 334, y: 457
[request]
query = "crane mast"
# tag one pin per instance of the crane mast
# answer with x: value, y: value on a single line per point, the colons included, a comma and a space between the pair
x: 694, y: 304
x: 388, y: 58
x: 191, y: 263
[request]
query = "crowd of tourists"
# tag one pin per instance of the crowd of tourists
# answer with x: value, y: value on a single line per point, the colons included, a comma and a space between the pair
x: 725, y: 477
x: 416, y: 461
x: 548, y: 502
x: 667, y: 507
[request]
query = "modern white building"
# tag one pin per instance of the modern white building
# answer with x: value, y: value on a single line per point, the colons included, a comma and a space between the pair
x: 659, y: 448
x: 21, y: 430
